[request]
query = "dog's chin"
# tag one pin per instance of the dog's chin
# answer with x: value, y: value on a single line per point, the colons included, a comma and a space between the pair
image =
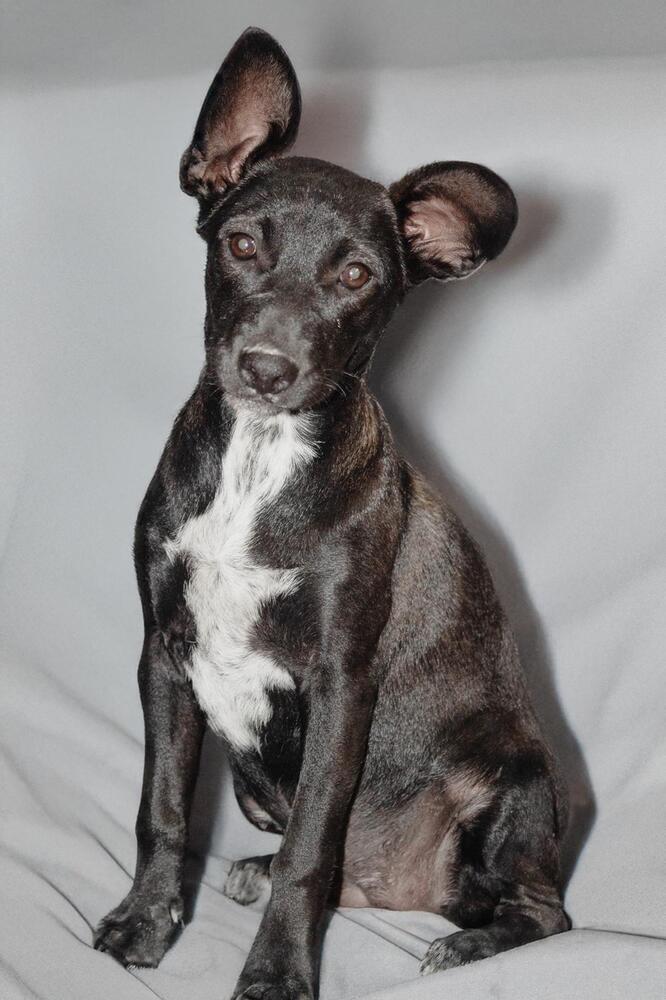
x: 292, y: 401
x: 260, y: 406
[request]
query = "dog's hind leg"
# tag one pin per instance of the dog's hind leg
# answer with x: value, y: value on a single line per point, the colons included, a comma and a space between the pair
x: 247, y: 879
x: 509, y: 879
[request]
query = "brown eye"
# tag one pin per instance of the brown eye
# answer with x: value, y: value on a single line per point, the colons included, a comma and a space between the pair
x: 355, y: 276
x: 242, y: 246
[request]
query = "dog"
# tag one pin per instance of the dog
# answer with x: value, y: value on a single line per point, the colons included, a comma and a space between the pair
x: 308, y: 595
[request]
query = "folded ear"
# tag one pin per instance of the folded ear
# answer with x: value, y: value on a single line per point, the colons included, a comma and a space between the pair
x: 454, y: 216
x: 251, y: 111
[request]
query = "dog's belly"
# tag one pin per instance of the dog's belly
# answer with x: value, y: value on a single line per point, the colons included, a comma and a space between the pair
x: 407, y: 857
x: 227, y: 589
x: 400, y: 859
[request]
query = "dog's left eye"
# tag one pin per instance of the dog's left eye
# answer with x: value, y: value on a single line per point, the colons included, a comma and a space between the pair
x: 242, y: 246
x: 355, y: 276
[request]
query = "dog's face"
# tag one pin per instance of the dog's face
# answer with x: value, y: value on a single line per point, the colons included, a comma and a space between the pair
x: 306, y: 260
x: 304, y: 269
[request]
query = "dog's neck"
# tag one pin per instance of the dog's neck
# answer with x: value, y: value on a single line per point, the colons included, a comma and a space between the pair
x: 348, y: 430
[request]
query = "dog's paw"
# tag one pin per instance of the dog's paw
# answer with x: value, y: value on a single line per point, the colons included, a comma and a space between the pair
x: 455, y: 950
x: 270, y: 979
x: 247, y: 879
x: 283, y: 989
x: 139, y: 931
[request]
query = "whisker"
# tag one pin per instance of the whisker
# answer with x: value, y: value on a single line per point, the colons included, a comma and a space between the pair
x: 334, y: 385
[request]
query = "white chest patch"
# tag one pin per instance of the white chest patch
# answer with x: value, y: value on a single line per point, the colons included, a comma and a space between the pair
x: 226, y: 589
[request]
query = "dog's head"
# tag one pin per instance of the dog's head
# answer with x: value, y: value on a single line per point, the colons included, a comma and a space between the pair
x: 306, y: 260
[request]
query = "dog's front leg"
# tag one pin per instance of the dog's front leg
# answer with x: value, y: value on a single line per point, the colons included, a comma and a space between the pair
x: 283, y: 962
x: 142, y: 927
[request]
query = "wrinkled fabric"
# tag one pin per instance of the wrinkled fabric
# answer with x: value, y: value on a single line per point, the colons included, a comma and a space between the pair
x: 533, y: 395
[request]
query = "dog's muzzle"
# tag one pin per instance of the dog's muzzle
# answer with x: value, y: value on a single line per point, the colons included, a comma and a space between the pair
x: 268, y: 372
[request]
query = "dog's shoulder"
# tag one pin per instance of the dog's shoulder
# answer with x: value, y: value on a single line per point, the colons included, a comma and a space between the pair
x: 188, y: 472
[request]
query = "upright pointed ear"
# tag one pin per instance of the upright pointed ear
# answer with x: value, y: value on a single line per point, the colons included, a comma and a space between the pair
x: 454, y: 216
x: 251, y: 111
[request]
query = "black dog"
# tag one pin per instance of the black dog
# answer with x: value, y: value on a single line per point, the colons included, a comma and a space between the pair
x: 307, y: 593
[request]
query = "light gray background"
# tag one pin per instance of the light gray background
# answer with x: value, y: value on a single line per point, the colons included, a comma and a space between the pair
x: 532, y: 394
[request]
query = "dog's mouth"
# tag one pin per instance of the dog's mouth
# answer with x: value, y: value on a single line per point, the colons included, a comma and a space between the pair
x: 311, y: 395
x: 273, y: 374
x: 267, y: 403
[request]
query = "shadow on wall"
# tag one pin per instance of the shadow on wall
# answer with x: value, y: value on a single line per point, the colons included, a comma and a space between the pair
x: 71, y: 41
x: 333, y: 127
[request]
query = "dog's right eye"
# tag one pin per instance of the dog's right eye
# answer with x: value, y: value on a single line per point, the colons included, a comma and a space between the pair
x: 355, y: 276
x: 242, y: 246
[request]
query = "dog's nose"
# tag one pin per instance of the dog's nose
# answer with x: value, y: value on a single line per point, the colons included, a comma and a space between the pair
x: 266, y: 371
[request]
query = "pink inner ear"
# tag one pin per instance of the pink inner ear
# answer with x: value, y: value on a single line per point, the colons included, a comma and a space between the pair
x: 259, y: 101
x: 227, y: 168
x: 438, y: 230
x: 237, y: 156
x: 254, y: 101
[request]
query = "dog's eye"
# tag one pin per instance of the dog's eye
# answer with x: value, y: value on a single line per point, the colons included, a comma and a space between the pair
x: 355, y: 276
x: 242, y: 246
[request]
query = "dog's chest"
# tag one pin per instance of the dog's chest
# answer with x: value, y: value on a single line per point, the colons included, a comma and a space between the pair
x: 227, y: 588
